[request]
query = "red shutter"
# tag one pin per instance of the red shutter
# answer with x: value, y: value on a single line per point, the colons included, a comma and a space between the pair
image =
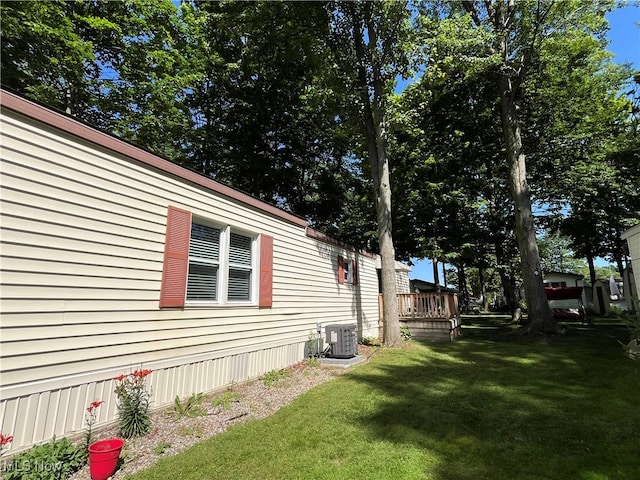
x: 340, y: 269
x: 176, y: 258
x: 265, y: 297
x: 354, y: 271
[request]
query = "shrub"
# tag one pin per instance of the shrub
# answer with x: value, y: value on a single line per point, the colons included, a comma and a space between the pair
x: 373, y: 341
x: 405, y: 333
x: 226, y: 400
x: 133, y: 404
x: 191, y: 407
x: 632, y: 349
x: 314, y: 362
x: 55, y: 460
x: 314, y: 345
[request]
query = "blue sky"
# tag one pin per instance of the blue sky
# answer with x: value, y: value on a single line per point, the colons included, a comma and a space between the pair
x: 624, y: 36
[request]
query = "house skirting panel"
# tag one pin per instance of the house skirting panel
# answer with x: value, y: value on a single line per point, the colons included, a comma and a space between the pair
x: 433, y: 329
x: 37, y: 412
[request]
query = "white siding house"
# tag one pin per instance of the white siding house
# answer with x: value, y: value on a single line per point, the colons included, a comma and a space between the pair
x: 632, y: 236
x: 402, y: 278
x: 114, y: 259
x: 403, y: 285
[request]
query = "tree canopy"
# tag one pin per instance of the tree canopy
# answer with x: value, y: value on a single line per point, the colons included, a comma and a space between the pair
x: 512, y: 109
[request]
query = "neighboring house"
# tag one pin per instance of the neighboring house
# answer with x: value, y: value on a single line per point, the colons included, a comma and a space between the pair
x: 599, y: 298
x: 632, y: 236
x: 606, y: 296
x: 566, y: 295
x: 402, y: 276
x: 631, y: 289
x: 561, y: 279
x: 422, y: 286
x: 115, y: 259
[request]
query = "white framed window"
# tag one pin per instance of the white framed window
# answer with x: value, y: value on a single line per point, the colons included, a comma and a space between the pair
x: 222, y: 265
x: 347, y: 271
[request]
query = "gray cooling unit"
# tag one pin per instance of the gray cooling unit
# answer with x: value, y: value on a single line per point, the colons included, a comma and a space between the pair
x: 342, y: 341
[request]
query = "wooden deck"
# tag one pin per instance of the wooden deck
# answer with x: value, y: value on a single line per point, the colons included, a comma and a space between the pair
x: 435, y: 305
x: 429, y: 316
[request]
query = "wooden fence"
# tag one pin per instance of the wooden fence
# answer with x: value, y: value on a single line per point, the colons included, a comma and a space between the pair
x: 432, y: 305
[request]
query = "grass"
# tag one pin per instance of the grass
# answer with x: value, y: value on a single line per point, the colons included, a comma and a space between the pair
x: 491, y: 405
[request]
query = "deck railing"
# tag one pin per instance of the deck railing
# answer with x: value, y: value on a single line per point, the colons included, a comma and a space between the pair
x: 439, y: 305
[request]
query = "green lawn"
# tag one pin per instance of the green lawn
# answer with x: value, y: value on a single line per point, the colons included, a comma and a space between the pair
x: 491, y: 405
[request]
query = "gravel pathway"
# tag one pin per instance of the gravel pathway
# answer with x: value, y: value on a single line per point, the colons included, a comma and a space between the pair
x: 253, y: 400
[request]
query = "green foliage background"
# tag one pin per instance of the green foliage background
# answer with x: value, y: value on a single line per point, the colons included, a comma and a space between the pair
x: 259, y: 95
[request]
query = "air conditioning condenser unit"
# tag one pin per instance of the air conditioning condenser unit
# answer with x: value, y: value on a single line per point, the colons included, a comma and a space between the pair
x: 342, y: 341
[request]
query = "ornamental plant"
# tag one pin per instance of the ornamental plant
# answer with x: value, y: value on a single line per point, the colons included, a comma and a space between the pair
x: 54, y: 460
x: 5, y: 440
x: 90, y: 418
x: 133, y: 404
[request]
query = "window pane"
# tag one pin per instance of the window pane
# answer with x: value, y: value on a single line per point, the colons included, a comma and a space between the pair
x: 202, y: 282
x: 239, y: 250
x: 347, y: 271
x: 239, y: 284
x: 205, y: 242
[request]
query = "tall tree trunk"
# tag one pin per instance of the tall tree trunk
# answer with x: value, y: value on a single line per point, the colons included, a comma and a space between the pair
x: 375, y: 133
x: 502, y: 15
x: 592, y: 269
x: 620, y: 265
x: 436, y: 276
x: 592, y: 275
x: 539, y: 313
x: 509, y: 288
x: 391, y: 328
x: 462, y: 286
x: 483, y: 288
x: 508, y: 281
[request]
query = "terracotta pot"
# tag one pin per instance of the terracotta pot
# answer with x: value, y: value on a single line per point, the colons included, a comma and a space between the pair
x: 103, y: 458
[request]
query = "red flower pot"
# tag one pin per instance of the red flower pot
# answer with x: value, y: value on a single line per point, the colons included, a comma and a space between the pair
x: 103, y: 458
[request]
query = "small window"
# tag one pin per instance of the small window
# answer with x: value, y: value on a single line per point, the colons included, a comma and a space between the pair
x: 207, y: 264
x: 347, y: 271
x: 348, y: 278
x: 221, y: 265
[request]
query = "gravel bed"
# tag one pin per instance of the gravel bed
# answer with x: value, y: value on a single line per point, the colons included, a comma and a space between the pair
x: 249, y: 401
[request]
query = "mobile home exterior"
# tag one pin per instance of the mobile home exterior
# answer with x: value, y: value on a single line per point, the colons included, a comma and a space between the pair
x: 114, y: 259
x: 632, y: 236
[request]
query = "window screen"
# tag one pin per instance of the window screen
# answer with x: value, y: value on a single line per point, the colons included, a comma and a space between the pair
x: 204, y: 263
x: 240, y: 250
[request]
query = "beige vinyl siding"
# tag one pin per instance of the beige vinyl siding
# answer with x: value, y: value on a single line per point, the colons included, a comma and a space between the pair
x: 82, y: 244
x: 402, y: 282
